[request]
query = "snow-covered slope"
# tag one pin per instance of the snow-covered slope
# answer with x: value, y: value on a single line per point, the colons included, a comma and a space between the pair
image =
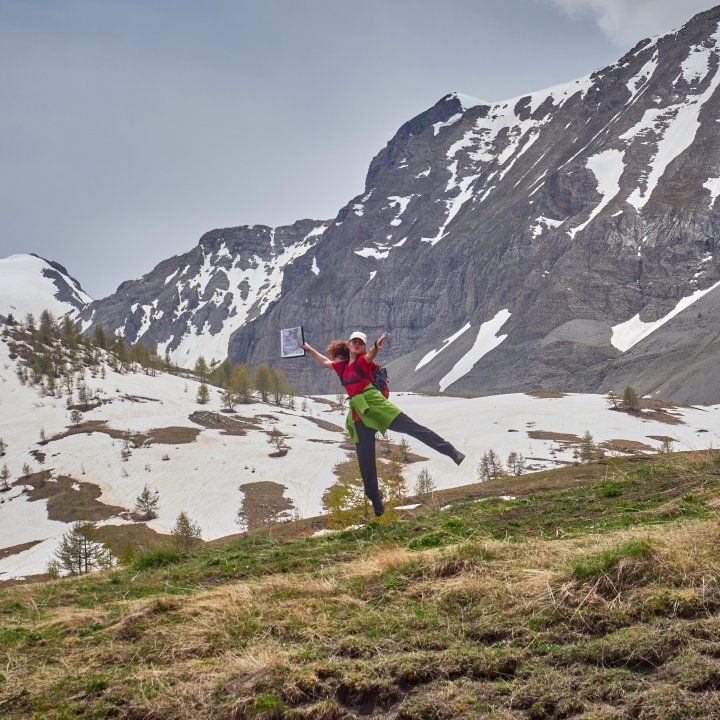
x: 31, y: 284
x: 203, y: 477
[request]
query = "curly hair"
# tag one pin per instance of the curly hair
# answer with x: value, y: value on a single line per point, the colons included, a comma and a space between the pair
x: 338, y: 350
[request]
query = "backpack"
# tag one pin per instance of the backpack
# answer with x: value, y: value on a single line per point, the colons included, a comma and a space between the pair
x: 379, y: 378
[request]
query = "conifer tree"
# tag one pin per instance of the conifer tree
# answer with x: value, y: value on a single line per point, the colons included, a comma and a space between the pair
x: 631, y: 400
x: 229, y: 399
x: 588, y: 448
x: 186, y: 534
x: 100, y: 338
x: 425, y: 483
x: 3, y: 447
x: 490, y: 466
x: 4, y: 477
x: 279, y: 386
x: 146, y: 505
x: 345, y: 500
x: 264, y: 381
x: 516, y: 463
x: 201, y: 368
x: 80, y: 552
x: 203, y: 394
x: 241, y: 383
x: 47, y: 331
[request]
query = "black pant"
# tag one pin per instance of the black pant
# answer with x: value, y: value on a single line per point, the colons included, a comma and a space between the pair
x: 365, y: 448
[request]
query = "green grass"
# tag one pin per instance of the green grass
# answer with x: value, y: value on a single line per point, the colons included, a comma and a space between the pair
x: 598, y: 599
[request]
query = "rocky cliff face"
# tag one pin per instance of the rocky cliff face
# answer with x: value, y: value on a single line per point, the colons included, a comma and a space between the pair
x: 189, y: 305
x: 505, y: 246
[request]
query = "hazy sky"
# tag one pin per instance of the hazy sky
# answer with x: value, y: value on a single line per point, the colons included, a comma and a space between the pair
x: 131, y: 127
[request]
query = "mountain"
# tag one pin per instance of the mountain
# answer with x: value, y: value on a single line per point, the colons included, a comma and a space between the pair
x: 509, y: 246
x: 31, y: 284
x: 190, y: 304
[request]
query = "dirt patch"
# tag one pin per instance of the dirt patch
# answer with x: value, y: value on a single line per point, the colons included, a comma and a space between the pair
x: 173, y: 435
x: 547, y: 394
x: 663, y: 416
x: 566, y: 438
x: 662, y: 438
x: 661, y: 413
x: 324, y: 424
x: 234, y: 425
x: 39, y: 455
x: 627, y: 446
x: 15, y: 549
x: 264, y: 503
x: 164, y: 436
x: 68, y: 499
x: 138, y: 398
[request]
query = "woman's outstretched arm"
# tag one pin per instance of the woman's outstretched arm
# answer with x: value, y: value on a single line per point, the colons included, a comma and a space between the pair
x: 373, y: 351
x: 319, y: 358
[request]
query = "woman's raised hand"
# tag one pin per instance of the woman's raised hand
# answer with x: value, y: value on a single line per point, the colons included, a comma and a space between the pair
x: 380, y: 340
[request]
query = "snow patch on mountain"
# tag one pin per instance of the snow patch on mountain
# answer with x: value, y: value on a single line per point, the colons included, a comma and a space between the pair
x: 632, y: 331
x: 446, y: 342
x: 31, y: 284
x: 487, y: 339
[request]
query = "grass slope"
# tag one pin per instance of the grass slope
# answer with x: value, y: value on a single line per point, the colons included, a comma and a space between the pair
x: 593, y: 594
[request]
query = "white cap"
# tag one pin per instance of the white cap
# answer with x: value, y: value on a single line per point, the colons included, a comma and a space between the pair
x: 359, y: 335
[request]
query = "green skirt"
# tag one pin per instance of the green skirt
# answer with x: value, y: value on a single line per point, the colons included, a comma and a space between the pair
x: 374, y: 409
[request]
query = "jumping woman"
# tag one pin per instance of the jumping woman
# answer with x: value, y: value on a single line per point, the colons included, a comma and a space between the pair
x: 370, y: 411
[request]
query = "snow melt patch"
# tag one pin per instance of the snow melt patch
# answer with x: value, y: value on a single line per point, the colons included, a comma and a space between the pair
x: 632, y: 331
x: 447, y: 341
x: 401, y: 203
x: 713, y: 185
x: 450, y: 121
x: 608, y: 167
x: 696, y: 65
x: 542, y: 223
x: 487, y: 339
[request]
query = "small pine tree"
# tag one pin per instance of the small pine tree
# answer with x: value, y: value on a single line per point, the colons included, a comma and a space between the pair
x: 203, y: 394
x: 4, y: 477
x: 490, y: 466
x: 277, y: 438
x: 80, y: 552
x: 3, y: 447
x: 186, y: 534
x: 229, y: 399
x: 631, y: 400
x: 146, y: 505
x: 76, y: 417
x: 264, y: 381
x: 588, y: 448
x: 667, y: 445
x: 201, y: 368
x: 401, y: 451
x: 425, y: 483
x: 241, y: 382
x: 515, y: 463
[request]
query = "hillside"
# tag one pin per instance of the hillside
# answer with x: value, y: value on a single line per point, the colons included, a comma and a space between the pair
x: 587, y: 592
x: 142, y: 426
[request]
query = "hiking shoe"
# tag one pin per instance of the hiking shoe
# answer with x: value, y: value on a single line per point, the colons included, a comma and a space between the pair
x: 457, y: 457
x: 378, y: 508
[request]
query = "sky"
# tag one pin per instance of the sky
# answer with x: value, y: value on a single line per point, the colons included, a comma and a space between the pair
x: 131, y: 127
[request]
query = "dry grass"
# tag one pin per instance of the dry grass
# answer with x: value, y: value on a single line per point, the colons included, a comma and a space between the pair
x: 614, y: 624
